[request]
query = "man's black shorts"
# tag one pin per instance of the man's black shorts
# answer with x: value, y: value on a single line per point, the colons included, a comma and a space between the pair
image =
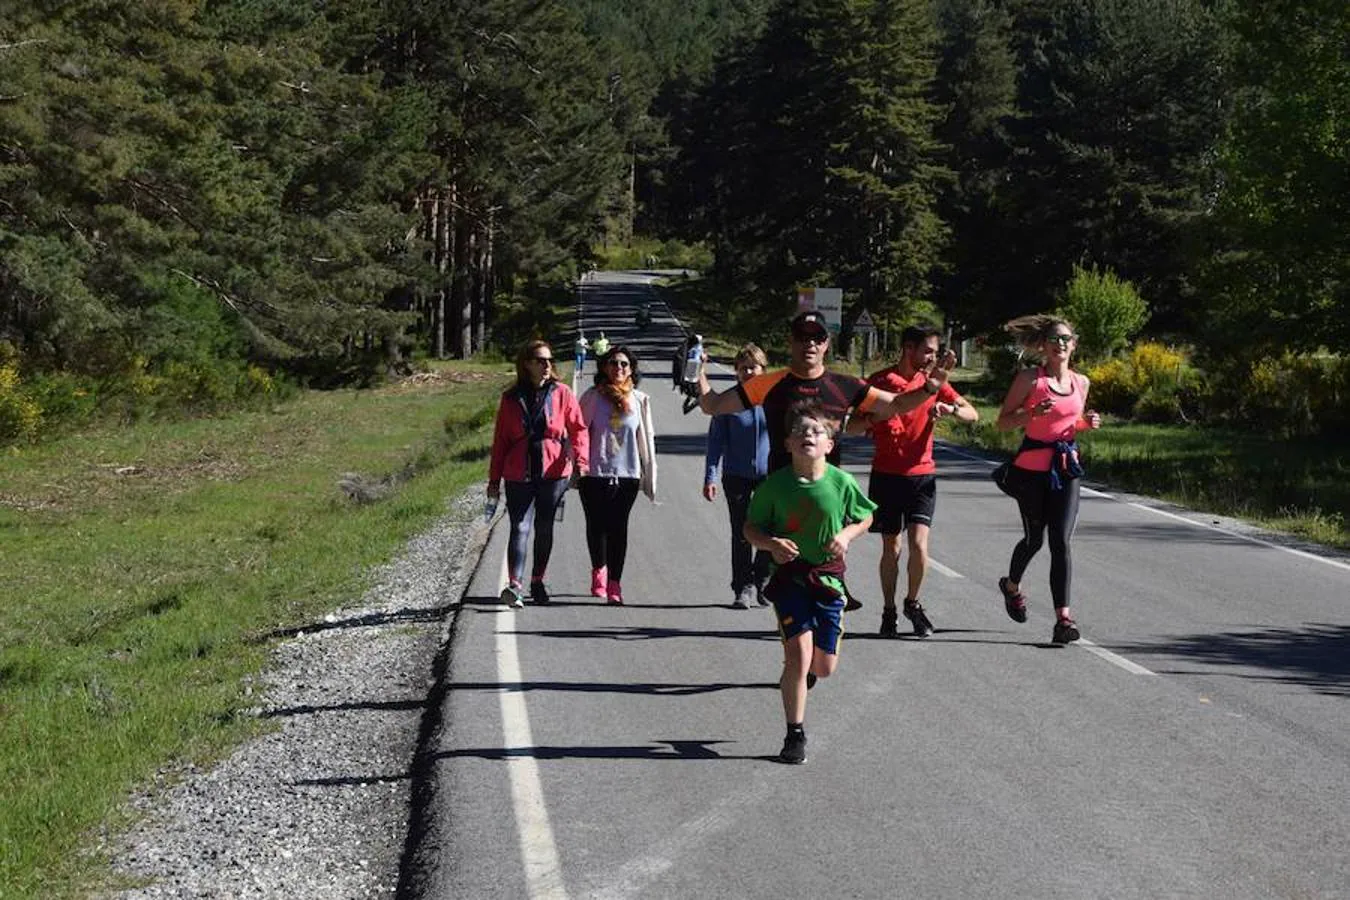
x: 901, y: 500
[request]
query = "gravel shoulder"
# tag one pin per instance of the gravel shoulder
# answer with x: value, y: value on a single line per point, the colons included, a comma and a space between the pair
x: 320, y: 807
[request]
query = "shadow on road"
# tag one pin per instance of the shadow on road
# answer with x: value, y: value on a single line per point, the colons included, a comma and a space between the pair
x: 591, y: 687
x: 1315, y: 656
x: 660, y: 750
x: 635, y: 633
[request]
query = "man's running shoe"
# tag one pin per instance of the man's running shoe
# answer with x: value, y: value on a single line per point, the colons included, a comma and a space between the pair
x: 1014, y: 602
x: 760, y: 595
x: 851, y: 602
x: 512, y: 597
x: 1066, y: 632
x: 794, y: 748
x: 918, y: 618
x: 742, y: 600
x: 539, y: 593
x: 889, y: 619
x: 811, y: 680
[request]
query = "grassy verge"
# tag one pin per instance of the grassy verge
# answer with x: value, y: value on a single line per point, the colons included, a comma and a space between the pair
x: 1299, y: 487
x: 146, y: 567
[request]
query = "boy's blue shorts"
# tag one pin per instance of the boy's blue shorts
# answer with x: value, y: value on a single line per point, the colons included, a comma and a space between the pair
x: 800, y: 607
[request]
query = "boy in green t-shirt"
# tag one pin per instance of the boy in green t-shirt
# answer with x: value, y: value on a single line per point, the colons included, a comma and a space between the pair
x: 805, y: 515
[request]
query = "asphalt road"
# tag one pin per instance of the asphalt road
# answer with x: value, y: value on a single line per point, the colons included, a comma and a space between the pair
x: 1196, y: 744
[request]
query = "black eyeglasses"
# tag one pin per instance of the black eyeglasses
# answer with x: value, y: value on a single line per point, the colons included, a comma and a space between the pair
x: 804, y: 430
x: 1063, y: 340
x: 546, y: 360
x: 812, y: 338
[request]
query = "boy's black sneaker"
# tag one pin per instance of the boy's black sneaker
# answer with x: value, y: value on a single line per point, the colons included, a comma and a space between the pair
x: 889, y: 620
x: 918, y: 618
x: 811, y: 680
x: 794, y: 748
x: 1066, y: 632
x: 539, y: 593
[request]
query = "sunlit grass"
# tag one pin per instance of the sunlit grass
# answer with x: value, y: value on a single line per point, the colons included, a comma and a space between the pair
x: 144, y: 567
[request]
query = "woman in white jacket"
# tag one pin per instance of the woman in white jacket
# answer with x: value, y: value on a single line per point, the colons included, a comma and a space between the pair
x: 618, y: 418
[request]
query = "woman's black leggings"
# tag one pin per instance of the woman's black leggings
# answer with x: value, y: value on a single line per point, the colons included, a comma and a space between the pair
x: 530, y: 505
x: 607, y: 502
x: 1057, y: 511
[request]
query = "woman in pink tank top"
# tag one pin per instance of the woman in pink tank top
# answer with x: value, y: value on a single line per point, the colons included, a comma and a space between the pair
x: 1049, y: 403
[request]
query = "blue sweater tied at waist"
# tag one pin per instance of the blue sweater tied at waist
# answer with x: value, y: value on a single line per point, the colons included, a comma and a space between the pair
x: 1064, y: 463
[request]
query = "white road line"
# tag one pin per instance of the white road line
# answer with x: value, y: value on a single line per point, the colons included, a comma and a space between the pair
x: 1167, y: 515
x: 950, y: 573
x: 538, y: 850
x: 1114, y: 659
x: 1237, y: 534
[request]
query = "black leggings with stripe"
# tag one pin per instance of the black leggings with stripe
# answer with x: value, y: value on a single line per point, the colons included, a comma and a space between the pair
x: 1045, y: 510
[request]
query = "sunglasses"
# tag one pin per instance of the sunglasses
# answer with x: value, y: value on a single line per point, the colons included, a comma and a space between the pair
x: 1063, y: 340
x: 620, y: 363
x: 546, y: 360
x: 810, y: 431
x: 813, y: 337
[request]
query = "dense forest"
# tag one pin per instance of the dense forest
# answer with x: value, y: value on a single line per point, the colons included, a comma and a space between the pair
x: 196, y: 197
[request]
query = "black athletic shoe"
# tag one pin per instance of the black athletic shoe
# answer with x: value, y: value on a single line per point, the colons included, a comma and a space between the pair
x: 811, y: 680
x: 1066, y: 632
x: 1014, y: 602
x: 851, y: 602
x: 889, y: 619
x: 794, y: 748
x: 918, y: 618
x: 539, y: 593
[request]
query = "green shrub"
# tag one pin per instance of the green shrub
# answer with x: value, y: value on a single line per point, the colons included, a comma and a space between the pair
x: 1146, y: 385
x: 1105, y: 310
x: 1291, y: 394
x: 1158, y: 407
x: 1114, y: 388
x: 20, y: 415
x: 65, y: 398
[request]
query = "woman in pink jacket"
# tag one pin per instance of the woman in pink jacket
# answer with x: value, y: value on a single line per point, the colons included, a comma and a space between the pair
x: 539, y: 434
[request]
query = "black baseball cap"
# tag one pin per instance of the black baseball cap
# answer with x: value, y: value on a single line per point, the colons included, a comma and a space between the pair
x: 809, y: 321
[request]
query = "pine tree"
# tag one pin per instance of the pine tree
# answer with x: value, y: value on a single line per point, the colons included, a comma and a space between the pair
x: 1282, y: 279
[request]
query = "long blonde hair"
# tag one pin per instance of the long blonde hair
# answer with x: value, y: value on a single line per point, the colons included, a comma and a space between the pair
x: 1031, y: 332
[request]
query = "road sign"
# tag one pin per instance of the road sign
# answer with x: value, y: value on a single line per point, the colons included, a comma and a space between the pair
x: 864, y: 324
x: 829, y: 302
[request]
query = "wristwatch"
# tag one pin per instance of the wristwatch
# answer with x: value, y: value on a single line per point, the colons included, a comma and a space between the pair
x: 931, y: 386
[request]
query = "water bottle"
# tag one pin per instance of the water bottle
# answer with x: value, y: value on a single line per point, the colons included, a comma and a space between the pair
x: 693, y: 360
x: 562, y: 506
x: 489, y: 509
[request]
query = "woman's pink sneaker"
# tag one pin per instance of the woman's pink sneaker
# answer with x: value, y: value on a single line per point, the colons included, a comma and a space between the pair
x: 615, y: 593
x: 599, y: 581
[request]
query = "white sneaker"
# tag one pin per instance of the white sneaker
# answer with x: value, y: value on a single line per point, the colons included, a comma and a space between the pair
x: 512, y: 598
x: 742, y: 600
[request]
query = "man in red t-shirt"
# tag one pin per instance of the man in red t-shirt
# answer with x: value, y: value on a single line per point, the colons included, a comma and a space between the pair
x: 903, y: 482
